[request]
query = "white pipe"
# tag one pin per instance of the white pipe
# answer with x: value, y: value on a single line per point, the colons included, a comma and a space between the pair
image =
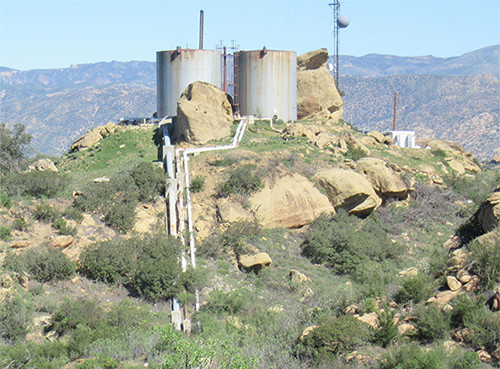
x: 240, y: 130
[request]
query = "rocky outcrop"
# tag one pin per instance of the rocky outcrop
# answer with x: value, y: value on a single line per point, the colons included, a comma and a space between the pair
x: 92, y: 137
x: 348, y: 190
x: 383, y: 180
x: 255, y: 262
x: 61, y: 241
x: 41, y: 165
x: 203, y: 114
x: 290, y: 201
x: 317, y: 95
x: 488, y: 214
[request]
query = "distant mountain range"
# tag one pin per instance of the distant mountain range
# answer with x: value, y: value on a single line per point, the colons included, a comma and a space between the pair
x: 450, y: 98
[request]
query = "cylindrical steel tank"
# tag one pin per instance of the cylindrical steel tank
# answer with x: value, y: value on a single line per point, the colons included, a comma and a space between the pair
x: 268, y: 83
x: 176, y: 69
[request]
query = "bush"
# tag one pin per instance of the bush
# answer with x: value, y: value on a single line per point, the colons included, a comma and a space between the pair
x: 20, y: 224
x: 150, y: 180
x: 387, y: 333
x: 148, y: 267
x: 16, y: 315
x: 415, y: 357
x: 45, y: 212
x: 73, y: 213
x: 354, y: 153
x: 14, y: 145
x: 63, y: 228
x: 346, y: 243
x: 432, y: 323
x: 5, y: 200
x: 336, y: 336
x: 415, y: 289
x: 101, y: 363
x: 44, y: 265
x: 485, y: 261
x: 231, y: 302
x: 4, y: 233
x: 243, y: 180
x: 72, y: 313
x: 197, y: 184
x: 120, y: 216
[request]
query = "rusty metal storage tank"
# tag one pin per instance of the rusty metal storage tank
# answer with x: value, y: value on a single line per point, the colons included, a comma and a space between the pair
x: 268, y: 83
x: 176, y: 69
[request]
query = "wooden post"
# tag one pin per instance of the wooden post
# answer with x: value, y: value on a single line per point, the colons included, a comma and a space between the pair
x: 395, y: 104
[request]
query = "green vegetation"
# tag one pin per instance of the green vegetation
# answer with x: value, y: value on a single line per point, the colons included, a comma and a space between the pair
x: 148, y: 267
x: 44, y: 265
x: 197, y: 184
x: 243, y: 180
x: 14, y: 145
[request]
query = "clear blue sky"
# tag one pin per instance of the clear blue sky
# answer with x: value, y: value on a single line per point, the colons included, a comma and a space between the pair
x: 38, y: 34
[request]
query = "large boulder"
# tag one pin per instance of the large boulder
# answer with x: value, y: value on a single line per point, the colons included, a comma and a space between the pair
x: 203, y: 113
x: 317, y: 95
x: 488, y: 214
x: 348, y: 190
x: 289, y: 200
x: 254, y: 262
x: 43, y: 164
x: 92, y: 137
x: 383, y: 180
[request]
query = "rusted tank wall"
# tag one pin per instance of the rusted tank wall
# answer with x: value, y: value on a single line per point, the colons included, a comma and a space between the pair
x: 268, y: 83
x: 176, y: 69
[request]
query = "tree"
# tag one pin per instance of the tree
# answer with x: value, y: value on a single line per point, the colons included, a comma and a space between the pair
x: 14, y: 145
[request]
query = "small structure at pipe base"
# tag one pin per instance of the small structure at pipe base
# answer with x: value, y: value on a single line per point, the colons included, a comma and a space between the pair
x: 403, y: 138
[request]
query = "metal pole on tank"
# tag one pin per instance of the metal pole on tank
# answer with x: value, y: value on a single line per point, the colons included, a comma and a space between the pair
x: 395, y: 104
x: 201, y: 29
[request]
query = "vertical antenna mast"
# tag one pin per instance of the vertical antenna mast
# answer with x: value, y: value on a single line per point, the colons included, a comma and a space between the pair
x: 336, y: 10
x: 339, y: 21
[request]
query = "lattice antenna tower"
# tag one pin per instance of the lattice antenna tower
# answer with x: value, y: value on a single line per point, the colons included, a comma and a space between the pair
x: 339, y: 21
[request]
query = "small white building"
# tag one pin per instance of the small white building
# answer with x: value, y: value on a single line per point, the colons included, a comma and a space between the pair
x: 404, y: 138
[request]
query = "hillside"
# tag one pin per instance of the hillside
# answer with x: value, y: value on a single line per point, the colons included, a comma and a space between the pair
x: 87, y: 271
x: 59, y: 105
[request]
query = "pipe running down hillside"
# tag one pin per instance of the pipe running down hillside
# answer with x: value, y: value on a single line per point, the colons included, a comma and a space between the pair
x: 179, y: 183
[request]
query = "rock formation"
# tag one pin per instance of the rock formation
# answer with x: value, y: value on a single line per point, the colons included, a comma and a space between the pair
x: 348, y: 190
x: 92, y: 137
x: 383, y: 180
x: 289, y: 200
x: 488, y: 214
x: 317, y: 95
x: 203, y: 114
x: 43, y: 164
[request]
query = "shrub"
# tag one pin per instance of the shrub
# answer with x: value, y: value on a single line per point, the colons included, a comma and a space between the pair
x: 415, y: 289
x: 440, y: 153
x: 43, y: 183
x: 415, y: 357
x: 4, y: 233
x: 230, y: 302
x: 148, y: 266
x: 20, y: 224
x: 197, y: 184
x: 346, y: 243
x: 243, y: 180
x: 101, y: 363
x: 387, y: 333
x: 224, y: 162
x: 149, y: 179
x: 73, y: 213
x: 336, y: 336
x: 14, y: 144
x: 45, y: 212
x: 5, y: 200
x: 432, y: 323
x: 44, y: 265
x: 485, y: 260
x: 63, y: 228
x: 72, y: 313
x: 354, y: 153
x: 120, y: 216
x: 16, y: 315
x: 110, y: 261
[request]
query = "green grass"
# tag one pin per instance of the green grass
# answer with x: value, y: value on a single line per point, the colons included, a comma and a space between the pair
x: 115, y: 153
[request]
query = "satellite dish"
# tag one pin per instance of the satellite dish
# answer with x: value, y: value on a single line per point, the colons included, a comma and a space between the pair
x: 343, y: 21
x: 330, y: 67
